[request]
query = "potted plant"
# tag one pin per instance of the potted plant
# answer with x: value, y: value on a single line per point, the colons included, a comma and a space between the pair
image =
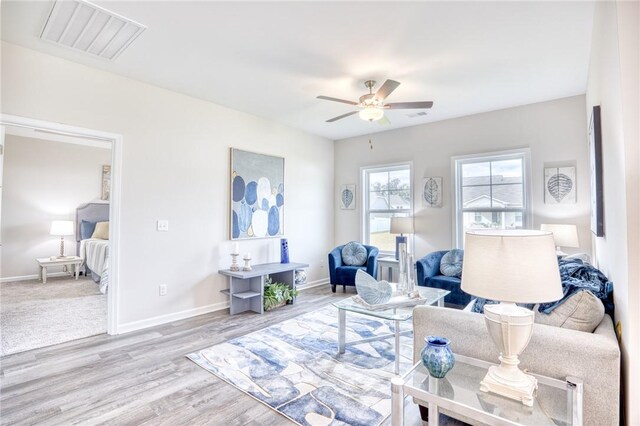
x: 277, y: 294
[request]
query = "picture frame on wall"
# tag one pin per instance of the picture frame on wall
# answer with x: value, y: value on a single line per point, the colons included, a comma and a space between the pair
x: 348, y: 197
x: 560, y: 185
x: 595, y: 172
x: 106, y: 183
x: 257, y: 199
x: 432, y: 192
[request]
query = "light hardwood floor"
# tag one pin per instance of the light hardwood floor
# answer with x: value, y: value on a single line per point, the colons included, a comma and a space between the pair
x: 143, y: 377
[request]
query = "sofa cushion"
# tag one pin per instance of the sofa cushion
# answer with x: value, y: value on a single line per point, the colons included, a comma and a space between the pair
x: 451, y: 263
x: 354, y: 254
x: 346, y: 275
x: 583, y: 311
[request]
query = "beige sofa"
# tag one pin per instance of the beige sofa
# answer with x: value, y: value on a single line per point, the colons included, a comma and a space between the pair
x: 553, y: 352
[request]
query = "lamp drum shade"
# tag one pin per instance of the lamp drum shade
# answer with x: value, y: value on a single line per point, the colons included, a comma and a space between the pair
x: 563, y: 235
x: 401, y: 225
x: 518, y: 266
x: 62, y: 227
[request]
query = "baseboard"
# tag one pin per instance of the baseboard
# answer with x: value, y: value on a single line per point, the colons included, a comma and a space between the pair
x: 176, y: 316
x: 33, y: 277
x: 312, y: 284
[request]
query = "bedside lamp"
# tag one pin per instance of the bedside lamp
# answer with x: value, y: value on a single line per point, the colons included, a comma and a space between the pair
x: 512, y: 267
x: 62, y: 228
x: 563, y: 235
x: 401, y: 225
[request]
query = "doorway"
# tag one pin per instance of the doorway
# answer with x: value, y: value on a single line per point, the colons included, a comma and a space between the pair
x: 15, y: 127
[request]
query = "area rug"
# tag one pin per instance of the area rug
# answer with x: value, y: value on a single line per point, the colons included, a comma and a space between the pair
x: 34, y: 315
x: 294, y: 368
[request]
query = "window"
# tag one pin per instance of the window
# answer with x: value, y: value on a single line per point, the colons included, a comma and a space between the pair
x: 491, y: 192
x: 387, y: 193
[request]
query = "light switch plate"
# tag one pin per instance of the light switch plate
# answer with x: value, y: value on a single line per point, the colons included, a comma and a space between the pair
x: 163, y: 225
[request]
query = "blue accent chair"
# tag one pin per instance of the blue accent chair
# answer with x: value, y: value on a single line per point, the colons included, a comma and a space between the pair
x: 345, y: 275
x: 428, y: 275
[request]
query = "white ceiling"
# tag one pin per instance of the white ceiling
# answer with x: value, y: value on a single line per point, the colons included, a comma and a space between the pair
x: 272, y: 59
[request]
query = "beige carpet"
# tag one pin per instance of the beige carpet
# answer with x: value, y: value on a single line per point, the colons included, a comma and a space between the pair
x: 34, y: 315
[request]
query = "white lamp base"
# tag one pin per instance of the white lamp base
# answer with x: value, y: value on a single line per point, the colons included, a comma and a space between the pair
x: 510, y: 327
x: 521, y: 390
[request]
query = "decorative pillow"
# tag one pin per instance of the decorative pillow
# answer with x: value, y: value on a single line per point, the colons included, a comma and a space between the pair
x: 583, y: 311
x: 86, y: 229
x: 354, y: 254
x: 451, y: 263
x: 101, y: 231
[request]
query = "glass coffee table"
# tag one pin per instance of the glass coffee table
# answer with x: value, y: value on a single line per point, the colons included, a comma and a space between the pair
x: 556, y: 402
x: 431, y: 296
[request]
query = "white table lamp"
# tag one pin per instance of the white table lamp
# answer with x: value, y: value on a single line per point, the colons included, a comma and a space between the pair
x: 401, y: 225
x: 62, y: 228
x: 517, y: 266
x: 563, y: 235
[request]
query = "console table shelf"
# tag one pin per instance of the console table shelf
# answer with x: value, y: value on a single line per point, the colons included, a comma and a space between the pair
x: 246, y: 288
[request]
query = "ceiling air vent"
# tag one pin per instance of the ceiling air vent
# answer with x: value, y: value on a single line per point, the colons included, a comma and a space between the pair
x: 83, y: 26
x: 417, y: 114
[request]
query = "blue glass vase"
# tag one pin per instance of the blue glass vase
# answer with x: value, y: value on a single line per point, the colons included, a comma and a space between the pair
x: 437, y: 356
x: 284, y: 250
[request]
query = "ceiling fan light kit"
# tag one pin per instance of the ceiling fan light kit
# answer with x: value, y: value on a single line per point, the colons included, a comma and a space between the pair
x: 373, y: 105
x: 371, y: 113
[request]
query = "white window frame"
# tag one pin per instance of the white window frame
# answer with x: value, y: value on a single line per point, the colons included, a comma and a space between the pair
x: 456, y: 169
x: 365, y: 171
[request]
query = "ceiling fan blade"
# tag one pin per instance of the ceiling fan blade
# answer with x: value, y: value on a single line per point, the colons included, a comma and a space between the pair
x: 331, y: 120
x: 344, y: 101
x: 409, y: 105
x: 384, y: 121
x: 386, y: 89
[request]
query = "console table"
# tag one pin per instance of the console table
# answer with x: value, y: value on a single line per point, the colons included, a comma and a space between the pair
x: 246, y: 288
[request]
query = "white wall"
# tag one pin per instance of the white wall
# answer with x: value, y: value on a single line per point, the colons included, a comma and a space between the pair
x: 555, y: 131
x: 176, y: 167
x: 613, y: 84
x: 43, y: 181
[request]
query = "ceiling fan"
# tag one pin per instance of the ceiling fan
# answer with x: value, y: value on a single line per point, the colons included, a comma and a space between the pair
x: 372, y: 104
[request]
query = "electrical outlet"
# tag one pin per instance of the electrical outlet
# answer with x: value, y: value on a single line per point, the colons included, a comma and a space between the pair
x: 162, y: 225
x: 162, y: 289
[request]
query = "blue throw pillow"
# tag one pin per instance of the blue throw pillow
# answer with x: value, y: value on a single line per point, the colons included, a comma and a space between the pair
x: 86, y: 229
x: 451, y: 263
x: 354, y: 254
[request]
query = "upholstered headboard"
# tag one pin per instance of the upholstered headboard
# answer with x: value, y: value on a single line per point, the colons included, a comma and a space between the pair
x: 91, y: 212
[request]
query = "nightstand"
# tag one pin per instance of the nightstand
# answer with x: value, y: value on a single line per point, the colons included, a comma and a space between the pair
x: 391, y: 264
x: 46, y: 262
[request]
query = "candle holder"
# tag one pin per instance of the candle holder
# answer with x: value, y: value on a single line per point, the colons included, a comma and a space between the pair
x: 234, y: 262
x: 247, y: 266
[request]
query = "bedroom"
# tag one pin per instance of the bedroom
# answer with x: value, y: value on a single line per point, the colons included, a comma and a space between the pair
x: 55, y: 191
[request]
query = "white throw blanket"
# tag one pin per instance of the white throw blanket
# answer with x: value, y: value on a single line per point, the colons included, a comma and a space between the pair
x: 95, y: 253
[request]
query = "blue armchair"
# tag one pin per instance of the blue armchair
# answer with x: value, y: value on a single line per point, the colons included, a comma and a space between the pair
x: 428, y: 274
x: 345, y: 275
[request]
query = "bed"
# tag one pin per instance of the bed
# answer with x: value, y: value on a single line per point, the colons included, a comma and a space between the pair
x: 94, y: 251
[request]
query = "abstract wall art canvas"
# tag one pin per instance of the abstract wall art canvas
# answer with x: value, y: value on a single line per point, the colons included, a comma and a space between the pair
x: 348, y: 197
x: 432, y: 192
x: 257, y: 195
x: 595, y: 160
x: 106, y: 183
x: 560, y: 185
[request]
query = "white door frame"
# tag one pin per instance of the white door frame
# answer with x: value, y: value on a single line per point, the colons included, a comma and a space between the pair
x: 114, y: 204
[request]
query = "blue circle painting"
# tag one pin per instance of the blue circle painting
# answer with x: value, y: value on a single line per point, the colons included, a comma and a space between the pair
x: 251, y: 193
x: 274, y: 221
x: 265, y: 204
x: 279, y: 200
x: 238, y: 188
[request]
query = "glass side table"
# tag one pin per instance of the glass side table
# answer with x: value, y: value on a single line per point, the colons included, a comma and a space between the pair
x: 556, y: 402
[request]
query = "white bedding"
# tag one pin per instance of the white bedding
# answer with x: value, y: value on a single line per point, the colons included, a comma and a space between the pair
x: 95, y: 253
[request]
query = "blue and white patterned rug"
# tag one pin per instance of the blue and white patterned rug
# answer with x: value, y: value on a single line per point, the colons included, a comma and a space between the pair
x: 294, y: 368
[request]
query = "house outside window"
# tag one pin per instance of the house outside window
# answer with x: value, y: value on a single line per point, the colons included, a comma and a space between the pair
x: 387, y: 193
x: 492, y: 191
